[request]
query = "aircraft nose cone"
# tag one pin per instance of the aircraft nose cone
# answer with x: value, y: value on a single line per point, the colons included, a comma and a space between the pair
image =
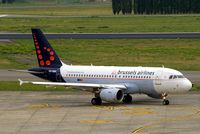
x: 187, y: 85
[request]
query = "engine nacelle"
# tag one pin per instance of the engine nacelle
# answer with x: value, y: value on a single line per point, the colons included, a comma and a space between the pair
x: 111, y: 94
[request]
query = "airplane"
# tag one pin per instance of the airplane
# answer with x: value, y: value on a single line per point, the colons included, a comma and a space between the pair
x: 108, y: 83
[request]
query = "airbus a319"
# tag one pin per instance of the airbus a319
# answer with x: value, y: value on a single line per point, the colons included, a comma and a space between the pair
x: 108, y: 83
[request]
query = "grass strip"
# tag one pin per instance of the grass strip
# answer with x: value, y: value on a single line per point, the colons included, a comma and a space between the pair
x: 180, y: 54
x: 95, y: 24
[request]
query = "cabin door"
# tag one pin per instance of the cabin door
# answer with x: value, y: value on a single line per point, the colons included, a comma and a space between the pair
x: 158, y: 79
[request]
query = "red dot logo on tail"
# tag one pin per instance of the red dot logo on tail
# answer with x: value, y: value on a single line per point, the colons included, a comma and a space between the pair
x: 42, y: 63
x: 48, y: 62
x: 51, y: 53
x: 52, y: 58
x: 38, y: 52
x: 40, y: 56
x: 48, y: 49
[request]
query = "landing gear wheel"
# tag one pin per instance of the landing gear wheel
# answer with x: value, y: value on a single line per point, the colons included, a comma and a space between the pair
x: 165, y: 102
x: 127, y: 98
x: 96, y: 101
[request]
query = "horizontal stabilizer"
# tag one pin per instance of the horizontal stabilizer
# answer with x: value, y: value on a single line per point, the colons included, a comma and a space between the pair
x: 22, y: 82
x: 26, y: 71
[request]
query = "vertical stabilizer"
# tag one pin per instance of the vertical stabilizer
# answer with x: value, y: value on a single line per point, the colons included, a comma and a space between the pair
x: 46, y: 56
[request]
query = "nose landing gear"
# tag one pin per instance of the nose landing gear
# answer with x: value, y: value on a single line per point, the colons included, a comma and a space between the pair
x: 165, y: 101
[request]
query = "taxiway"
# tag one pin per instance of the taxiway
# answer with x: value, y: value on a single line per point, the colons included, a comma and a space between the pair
x: 72, y: 113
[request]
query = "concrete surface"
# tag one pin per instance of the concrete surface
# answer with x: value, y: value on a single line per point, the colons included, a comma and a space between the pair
x: 72, y: 113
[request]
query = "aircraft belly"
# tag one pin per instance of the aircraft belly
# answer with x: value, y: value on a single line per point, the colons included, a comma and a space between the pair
x: 133, y: 86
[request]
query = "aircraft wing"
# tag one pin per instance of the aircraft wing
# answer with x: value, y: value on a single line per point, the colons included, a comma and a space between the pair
x: 84, y: 85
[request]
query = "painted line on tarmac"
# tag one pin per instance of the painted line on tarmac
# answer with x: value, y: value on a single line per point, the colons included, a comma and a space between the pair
x: 110, y: 108
x: 138, y: 113
x: 128, y: 110
x: 44, y: 105
x: 95, y: 121
x: 175, y: 119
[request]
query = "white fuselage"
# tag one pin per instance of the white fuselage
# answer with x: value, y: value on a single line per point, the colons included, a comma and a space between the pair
x: 148, y: 80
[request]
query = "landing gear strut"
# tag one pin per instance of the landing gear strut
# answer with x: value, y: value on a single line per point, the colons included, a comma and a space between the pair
x: 96, y: 101
x: 165, y: 101
x: 127, y: 98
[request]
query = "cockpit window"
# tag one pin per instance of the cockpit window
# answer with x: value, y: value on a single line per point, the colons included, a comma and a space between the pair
x: 180, y: 76
x: 176, y: 76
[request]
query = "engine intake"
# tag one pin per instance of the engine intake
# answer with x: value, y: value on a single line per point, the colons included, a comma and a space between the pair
x: 111, y: 94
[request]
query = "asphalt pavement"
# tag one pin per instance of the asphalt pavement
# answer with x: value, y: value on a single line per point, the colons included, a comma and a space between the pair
x: 72, y: 113
x: 181, y: 35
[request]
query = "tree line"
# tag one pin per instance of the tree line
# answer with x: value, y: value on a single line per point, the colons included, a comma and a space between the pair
x: 7, y: 1
x: 124, y: 6
x: 156, y: 6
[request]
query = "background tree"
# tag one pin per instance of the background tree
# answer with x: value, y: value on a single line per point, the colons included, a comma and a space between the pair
x: 166, y: 6
x: 122, y: 5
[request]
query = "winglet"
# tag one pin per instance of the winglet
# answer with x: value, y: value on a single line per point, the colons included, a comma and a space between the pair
x: 22, y: 82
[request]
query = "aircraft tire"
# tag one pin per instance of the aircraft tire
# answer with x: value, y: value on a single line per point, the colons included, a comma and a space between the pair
x: 165, y: 102
x: 127, y: 98
x: 96, y: 101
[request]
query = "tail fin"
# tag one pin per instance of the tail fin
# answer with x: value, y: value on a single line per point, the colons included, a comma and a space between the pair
x: 46, y: 56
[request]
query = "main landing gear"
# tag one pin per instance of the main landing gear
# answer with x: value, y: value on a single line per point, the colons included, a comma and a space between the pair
x: 165, y: 101
x: 96, y: 101
x: 127, y: 98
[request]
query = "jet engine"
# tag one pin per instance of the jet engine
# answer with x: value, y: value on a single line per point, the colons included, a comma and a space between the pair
x: 111, y: 94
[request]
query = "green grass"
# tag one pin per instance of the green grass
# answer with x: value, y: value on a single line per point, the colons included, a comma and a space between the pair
x: 113, y: 24
x: 14, y: 86
x: 181, y: 54
x: 177, y: 54
x: 50, y: 2
x: 104, y: 24
x: 196, y: 88
x: 97, y: 18
x: 71, y: 10
x: 42, y: 2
